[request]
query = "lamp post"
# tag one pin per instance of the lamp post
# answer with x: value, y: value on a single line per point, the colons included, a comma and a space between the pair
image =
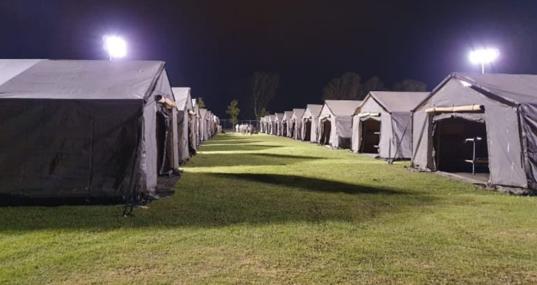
x: 483, y: 57
x: 115, y: 46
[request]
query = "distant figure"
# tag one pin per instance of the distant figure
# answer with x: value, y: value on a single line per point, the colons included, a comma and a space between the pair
x: 237, y: 128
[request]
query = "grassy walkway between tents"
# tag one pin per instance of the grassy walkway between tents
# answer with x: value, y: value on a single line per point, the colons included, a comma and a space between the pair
x: 263, y: 209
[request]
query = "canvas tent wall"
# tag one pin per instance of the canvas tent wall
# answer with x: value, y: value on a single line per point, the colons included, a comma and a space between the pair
x: 86, y: 129
x: 272, y: 128
x: 310, y: 123
x: 383, y: 124
x: 278, y: 124
x: 335, y: 122
x: 286, y: 123
x: 203, y: 124
x: 296, y: 123
x: 184, y: 125
x: 500, y: 108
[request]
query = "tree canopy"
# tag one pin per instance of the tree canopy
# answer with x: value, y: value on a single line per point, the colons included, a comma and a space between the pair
x: 233, y: 111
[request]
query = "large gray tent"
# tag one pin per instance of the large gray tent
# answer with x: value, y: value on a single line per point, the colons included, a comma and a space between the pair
x: 335, y: 122
x: 286, y: 123
x: 272, y: 127
x: 278, y: 118
x: 86, y: 129
x: 310, y: 123
x: 184, y: 117
x: 382, y: 125
x: 296, y: 124
x: 493, y: 114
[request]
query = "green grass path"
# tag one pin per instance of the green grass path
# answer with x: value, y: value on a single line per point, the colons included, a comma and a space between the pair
x: 263, y: 209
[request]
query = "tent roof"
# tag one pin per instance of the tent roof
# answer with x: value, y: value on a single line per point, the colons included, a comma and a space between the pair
x: 315, y: 109
x: 84, y: 79
x: 397, y: 101
x: 287, y: 115
x: 203, y: 112
x: 10, y: 68
x: 279, y: 116
x: 343, y: 107
x: 508, y: 88
x: 297, y: 112
x: 182, y: 98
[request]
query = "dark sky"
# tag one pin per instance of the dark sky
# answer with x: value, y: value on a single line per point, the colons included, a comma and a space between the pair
x: 215, y: 45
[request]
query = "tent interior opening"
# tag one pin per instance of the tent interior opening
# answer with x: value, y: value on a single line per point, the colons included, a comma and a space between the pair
x: 326, y: 129
x: 307, y: 133
x: 460, y: 145
x: 370, y: 136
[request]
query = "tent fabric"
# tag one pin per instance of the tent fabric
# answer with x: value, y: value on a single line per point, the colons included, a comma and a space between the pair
x: 72, y: 79
x: 286, y: 123
x: 85, y: 129
x: 508, y: 115
x: 278, y: 124
x: 394, y: 110
x: 272, y: 125
x: 183, y: 102
x: 311, y: 114
x: 339, y: 113
x: 296, y: 121
x: 10, y: 68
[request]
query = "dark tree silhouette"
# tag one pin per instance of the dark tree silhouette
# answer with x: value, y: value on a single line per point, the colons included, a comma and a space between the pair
x: 264, y: 87
x: 346, y: 87
x: 233, y: 111
x: 200, y: 102
x: 410, y: 85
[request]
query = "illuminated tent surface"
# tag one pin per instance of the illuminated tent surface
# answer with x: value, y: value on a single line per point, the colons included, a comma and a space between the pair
x: 339, y: 115
x: 286, y: 123
x: 296, y: 123
x: 311, y: 114
x: 204, y: 134
x: 262, y: 126
x: 85, y: 129
x: 278, y: 117
x: 271, y: 127
x: 508, y: 109
x: 184, y: 124
x: 392, y: 110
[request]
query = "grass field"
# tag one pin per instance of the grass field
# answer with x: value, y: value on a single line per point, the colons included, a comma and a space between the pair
x: 263, y: 209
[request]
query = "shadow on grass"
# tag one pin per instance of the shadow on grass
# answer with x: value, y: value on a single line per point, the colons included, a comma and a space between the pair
x: 204, y: 200
x: 309, y: 184
x: 248, y: 159
x: 238, y: 147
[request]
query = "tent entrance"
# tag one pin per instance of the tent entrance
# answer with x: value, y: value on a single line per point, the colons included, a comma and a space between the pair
x: 307, y: 131
x: 370, y: 136
x: 284, y: 130
x: 164, y: 144
x: 326, y: 128
x: 460, y: 145
x: 293, y: 126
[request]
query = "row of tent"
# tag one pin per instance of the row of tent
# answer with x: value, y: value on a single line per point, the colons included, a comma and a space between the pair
x: 94, y: 129
x: 484, y: 125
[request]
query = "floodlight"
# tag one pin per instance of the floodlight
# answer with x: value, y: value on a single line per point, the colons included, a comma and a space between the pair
x: 115, y: 46
x: 483, y: 57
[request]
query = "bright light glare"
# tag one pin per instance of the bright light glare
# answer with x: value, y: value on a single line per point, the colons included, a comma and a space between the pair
x: 115, y: 46
x: 483, y: 56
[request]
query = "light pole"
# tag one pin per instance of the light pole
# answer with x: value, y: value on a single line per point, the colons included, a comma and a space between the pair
x: 115, y: 46
x: 483, y: 57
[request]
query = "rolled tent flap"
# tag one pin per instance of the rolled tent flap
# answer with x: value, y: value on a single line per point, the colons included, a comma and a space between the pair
x: 455, y: 109
x: 366, y: 115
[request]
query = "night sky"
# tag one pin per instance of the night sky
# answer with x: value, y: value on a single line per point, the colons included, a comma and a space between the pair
x: 215, y: 46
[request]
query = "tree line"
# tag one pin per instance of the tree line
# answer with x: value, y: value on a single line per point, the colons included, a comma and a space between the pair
x: 349, y: 86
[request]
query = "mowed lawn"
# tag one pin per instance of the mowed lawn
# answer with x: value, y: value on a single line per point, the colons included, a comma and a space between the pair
x: 263, y: 209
